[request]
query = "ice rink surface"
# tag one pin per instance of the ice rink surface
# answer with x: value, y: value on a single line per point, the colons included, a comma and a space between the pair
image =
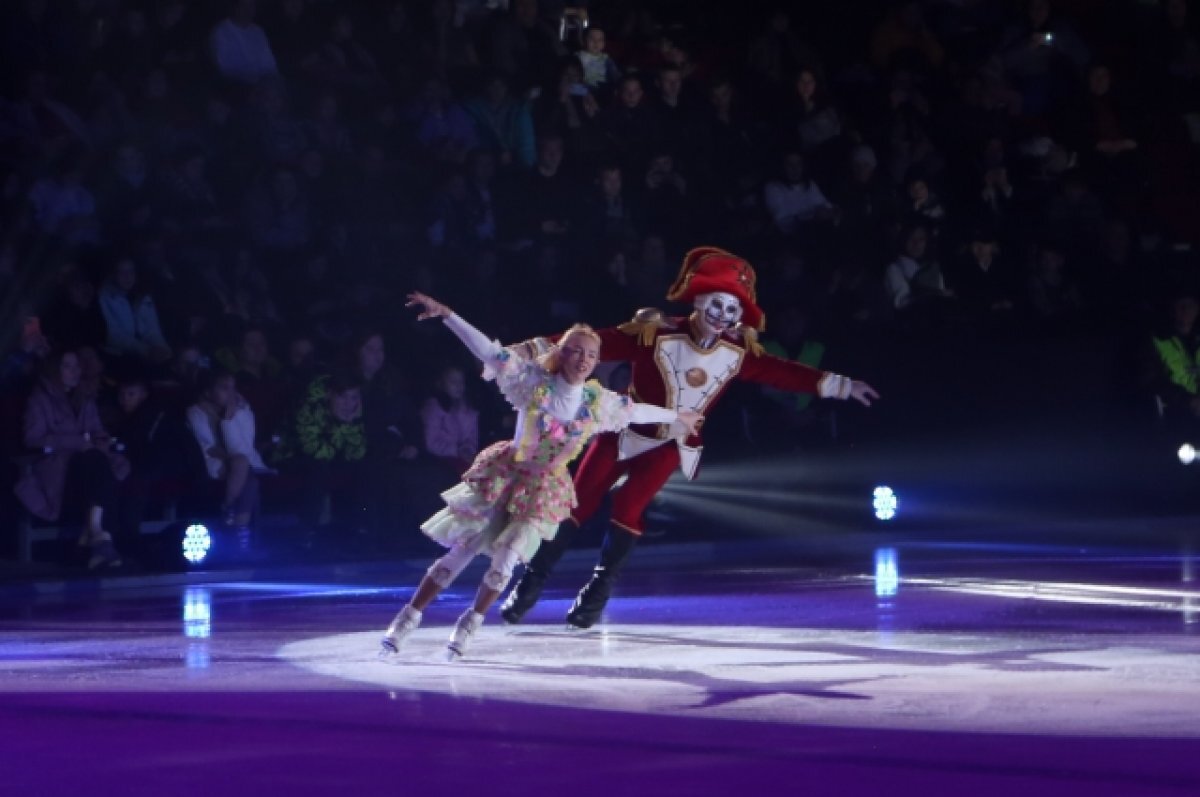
x: 906, y: 670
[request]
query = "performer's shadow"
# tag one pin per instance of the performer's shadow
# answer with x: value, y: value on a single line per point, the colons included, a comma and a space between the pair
x: 1022, y: 660
x: 717, y: 691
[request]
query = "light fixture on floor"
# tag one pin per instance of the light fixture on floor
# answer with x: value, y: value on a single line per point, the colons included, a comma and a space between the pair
x: 197, y: 542
x: 885, y: 502
x: 1187, y: 454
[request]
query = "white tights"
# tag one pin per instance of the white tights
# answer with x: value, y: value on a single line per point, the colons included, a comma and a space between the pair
x: 445, y: 570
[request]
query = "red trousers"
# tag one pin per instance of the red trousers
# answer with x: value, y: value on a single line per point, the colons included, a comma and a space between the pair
x: 600, y: 470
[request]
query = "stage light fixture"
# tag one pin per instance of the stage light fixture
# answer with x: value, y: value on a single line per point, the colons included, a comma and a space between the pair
x: 1187, y: 454
x: 885, y: 502
x: 197, y: 542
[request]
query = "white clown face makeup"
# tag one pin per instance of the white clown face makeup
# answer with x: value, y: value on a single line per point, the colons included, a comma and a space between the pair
x: 717, y: 312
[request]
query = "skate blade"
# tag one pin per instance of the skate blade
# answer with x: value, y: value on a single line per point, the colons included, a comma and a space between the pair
x: 387, y: 649
x: 453, y: 654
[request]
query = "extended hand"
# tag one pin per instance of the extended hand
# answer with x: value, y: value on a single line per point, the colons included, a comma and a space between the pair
x: 692, y: 421
x: 430, y: 307
x: 863, y: 393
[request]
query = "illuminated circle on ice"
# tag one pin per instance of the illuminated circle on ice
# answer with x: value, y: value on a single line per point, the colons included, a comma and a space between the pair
x: 196, y: 543
x: 885, y: 502
x: 957, y: 682
x: 1187, y: 453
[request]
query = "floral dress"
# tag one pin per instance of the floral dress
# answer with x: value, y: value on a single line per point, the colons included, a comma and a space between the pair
x: 517, y: 492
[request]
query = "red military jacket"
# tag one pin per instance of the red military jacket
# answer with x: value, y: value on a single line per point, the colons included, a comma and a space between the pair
x: 669, y: 369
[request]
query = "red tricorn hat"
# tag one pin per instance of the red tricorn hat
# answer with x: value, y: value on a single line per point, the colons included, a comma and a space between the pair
x: 708, y: 269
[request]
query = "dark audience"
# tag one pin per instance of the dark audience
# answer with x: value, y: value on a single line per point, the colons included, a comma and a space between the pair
x: 252, y: 187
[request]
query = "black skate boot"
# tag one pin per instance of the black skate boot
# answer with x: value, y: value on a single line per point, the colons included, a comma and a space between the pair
x: 523, y: 597
x: 589, y: 605
x: 592, y: 599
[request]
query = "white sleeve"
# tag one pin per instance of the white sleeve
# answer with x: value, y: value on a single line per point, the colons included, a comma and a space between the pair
x: 649, y: 413
x: 486, y: 350
x: 200, y: 429
x: 616, y: 411
x: 897, y: 286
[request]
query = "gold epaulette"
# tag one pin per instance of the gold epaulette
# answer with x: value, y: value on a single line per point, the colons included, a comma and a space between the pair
x: 749, y: 337
x: 645, y: 323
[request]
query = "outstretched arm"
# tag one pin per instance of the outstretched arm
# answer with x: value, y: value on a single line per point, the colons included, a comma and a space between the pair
x: 479, y: 344
x: 622, y: 412
x: 796, y: 377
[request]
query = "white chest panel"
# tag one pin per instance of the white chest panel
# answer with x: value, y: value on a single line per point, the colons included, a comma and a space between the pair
x: 693, y: 376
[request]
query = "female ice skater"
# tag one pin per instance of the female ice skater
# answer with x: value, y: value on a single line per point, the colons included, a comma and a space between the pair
x: 517, y: 492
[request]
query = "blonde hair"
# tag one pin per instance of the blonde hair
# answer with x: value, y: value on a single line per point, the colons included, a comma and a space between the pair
x: 552, y: 360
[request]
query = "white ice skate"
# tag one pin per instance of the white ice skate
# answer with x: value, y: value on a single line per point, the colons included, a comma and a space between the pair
x: 464, y: 629
x: 405, y: 622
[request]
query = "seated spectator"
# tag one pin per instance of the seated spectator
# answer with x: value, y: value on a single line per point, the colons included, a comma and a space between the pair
x: 95, y: 382
x: 1109, y: 139
x: 503, y: 124
x: 1042, y: 56
x: 189, y: 368
x: 41, y: 124
x: 1075, y: 217
x: 314, y: 295
x: 815, y: 120
x: 568, y: 108
x: 463, y: 211
x: 1173, y: 360
x: 130, y: 315
x: 914, y: 280
x: 795, y: 201
x: 282, y: 136
x: 251, y: 362
x: 996, y: 193
x: 75, y: 471
x: 1174, y: 53
x: 521, y: 45
x: 539, y: 202
x: 666, y: 199
x: 295, y: 31
x: 600, y: 71
x: 301, y: 365
x: 630, y: 125
x: 442, y: 128
x: 277, y: 214
x: 1056, y: 299
x: 924, y: 206
x: 325, y: 441
x: 240, y: 49
x: 399, y: 490
x: 904, y: 39
x: 223, y: 426
x: 983, y: 282
x: 189, y: 204
x: 326, y: 130
x: 127, y: 202
x: 18, y: 369
x: 154, y: 440
x: 676, y: 111
x: 866, y: 202
x: 778, y: 52
x: 74, y: 317
x: 451, y: 425
x: 343, y: 61
x: 607, y: 215
x: 62, y: 206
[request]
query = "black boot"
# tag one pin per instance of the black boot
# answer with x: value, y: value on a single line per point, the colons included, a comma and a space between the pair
x: 589, y: 605
x: 592, y: 599
x: 525, y: 595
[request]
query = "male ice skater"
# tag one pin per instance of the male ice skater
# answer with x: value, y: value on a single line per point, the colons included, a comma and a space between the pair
x: 681, y: 363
